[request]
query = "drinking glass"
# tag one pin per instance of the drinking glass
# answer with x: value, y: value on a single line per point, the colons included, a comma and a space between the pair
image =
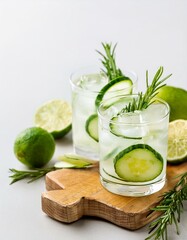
x: 133, y: 146
x: 86, y: 84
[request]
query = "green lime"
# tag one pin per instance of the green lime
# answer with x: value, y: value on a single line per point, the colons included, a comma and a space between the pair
x: 34, y: 147
x: 177, y: 141
x: 177, y: 100
x: 54, y: 116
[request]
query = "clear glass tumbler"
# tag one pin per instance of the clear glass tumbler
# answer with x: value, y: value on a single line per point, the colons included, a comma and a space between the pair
x: 133, y: 146
x: 86, y: 85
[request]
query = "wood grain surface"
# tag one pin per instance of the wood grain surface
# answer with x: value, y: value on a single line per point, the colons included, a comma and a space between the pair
x: 73, y: 193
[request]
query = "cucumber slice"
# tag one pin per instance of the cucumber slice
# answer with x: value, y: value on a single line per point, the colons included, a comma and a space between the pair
x: 120, y: 83
x: 138, y: 163
x: 92, y: 127
x: 73, y: 161
x: 119, y: 130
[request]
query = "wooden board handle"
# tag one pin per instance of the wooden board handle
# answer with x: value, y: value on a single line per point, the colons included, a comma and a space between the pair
x: 73, y: 193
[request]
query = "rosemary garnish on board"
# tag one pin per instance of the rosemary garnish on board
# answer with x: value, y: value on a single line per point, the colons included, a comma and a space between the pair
x: 109, y: 62
x: 65, y: 161
x: 171, y: 206
x: 32, y: 175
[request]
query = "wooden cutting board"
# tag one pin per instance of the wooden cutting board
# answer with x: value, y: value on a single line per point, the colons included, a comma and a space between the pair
x: 73, y: 193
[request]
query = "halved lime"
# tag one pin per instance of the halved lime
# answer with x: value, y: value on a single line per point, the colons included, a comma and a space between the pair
x: 138, y: 163
x: 54, y: 116
x: 177, y: 141
x: 122, y: 83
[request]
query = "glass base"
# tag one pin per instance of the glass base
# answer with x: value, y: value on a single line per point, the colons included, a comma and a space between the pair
x: 90, y: 155
x: 133, y: 190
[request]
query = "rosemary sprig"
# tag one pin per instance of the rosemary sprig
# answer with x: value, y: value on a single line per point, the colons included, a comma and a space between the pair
x: 171, y: 206
x: 33, y: 175
x: 109, y: 62
x: 144, y: 100
x: 66, y: 161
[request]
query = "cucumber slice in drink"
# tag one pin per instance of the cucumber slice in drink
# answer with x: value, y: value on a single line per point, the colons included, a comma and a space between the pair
x: 138, y: 163
x: 119, y: 130
x: 92, y: 127
x: 117, y: 84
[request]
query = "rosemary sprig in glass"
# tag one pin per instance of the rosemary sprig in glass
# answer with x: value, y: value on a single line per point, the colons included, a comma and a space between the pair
x: 109, y: 62
x: 144, y: 100
x: 171, y: 206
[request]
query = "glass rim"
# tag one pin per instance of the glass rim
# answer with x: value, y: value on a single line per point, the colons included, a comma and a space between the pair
x: 75, y: 86
x: 101, y: 116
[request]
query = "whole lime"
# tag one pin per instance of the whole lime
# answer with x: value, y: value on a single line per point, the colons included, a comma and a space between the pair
x: 34, y: 147
x: 177, y: 100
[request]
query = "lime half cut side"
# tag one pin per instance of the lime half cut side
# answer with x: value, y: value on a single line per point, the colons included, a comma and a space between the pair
x: 177, y: 141
x: 138, y: 163
x: 54, y: 116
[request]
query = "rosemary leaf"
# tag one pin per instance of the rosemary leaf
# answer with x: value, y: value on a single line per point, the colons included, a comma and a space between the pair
x: 171, y: 206
x: 73, y: 160
x: 33, y: 175
x: 109, y: 62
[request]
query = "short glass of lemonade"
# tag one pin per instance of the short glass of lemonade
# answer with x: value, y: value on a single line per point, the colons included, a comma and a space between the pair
x: 133, y: 146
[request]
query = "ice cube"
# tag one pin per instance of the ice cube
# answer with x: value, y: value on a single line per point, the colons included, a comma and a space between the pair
x: 130, y: 117
x: 155, y: 115
x: 130, y: 125
x: 93, y: 82
x: 154, y: 112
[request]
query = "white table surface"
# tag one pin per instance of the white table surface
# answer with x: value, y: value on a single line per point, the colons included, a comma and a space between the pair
x: 41, y: 43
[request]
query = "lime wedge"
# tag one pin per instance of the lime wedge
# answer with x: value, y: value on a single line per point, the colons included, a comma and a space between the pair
x: 177, y: 141
x: 54, y: 116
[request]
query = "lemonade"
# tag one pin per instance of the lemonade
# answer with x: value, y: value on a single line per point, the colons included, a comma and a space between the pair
x: 133, y: 147
x: 87, y: 84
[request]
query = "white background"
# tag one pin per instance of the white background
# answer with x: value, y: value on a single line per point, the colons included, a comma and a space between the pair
x: 41, y: 43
